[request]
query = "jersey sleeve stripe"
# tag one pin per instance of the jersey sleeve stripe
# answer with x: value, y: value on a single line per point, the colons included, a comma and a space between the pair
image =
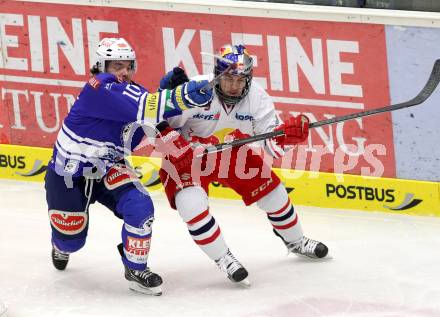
x: 66, y: 135
x: 164, y: 96
x: 141, y: 108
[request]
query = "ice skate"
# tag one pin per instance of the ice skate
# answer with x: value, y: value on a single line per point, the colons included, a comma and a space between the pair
x: 59, y: 259
x: 306, y: 246
x: 235, y: 271
x: 145, y: 282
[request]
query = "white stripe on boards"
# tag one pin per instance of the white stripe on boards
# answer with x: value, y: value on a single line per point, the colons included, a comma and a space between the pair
x: 42, y: 81
x: 319, y: 102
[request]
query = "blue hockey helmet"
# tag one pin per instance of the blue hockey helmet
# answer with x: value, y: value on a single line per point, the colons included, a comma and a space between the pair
x: 239, y: 56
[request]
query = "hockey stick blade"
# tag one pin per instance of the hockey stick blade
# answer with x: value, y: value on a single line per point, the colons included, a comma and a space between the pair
x: 424, y: 94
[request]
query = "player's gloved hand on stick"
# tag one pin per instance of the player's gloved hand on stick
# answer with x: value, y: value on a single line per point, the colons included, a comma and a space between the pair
x: 296, y: 130
x: 173, y: 78
x: 193, y: 94
x: 172, y: 144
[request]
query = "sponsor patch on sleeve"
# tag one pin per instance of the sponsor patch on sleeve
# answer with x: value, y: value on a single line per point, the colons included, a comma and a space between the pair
x: 94, y: 82
x: 151, y: 106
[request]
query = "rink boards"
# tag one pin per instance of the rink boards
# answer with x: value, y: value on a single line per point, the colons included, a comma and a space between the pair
x: 320, y: 61
x: 305, y: 188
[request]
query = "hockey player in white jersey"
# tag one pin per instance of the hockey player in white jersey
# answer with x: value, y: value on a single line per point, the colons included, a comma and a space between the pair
x: 88, y: 163
x: 239, y: 108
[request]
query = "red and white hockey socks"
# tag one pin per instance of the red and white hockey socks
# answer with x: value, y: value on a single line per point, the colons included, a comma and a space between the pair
x: 192, y: 204
x: 281, y: 214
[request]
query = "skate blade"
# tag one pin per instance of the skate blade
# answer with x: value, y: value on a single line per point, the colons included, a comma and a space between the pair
x: 245, y: 283
x: 328, y: 257
x: 155, y: 291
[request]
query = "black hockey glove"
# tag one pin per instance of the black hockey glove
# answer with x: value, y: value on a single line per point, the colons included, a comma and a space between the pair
x: 173, y: 78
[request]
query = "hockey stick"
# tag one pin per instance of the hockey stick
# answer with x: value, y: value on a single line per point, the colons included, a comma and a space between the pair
x: 224, y: 60
x: 424, y: 94
x: 215, y: 80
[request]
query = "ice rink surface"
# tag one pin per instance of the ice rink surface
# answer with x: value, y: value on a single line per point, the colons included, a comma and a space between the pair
x: 383, y: 265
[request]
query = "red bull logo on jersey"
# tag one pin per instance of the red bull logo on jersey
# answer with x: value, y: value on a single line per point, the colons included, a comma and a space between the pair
x: 220, y: 136
x: 235, y: 135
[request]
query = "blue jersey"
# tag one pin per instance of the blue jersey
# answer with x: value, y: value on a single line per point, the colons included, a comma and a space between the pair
x: 108, y: 120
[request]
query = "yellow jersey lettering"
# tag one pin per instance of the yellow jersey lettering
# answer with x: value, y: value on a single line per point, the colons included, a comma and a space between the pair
x: 151, y: 106
x: 178, y: 94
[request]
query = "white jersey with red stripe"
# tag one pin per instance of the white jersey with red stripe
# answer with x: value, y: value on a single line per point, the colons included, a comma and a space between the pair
x: 253, y: 115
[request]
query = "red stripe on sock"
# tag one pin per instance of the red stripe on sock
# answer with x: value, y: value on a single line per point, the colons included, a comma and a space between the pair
x: 199, y: 217
x: 210, y: 239
x: 286, y: 226
x: 281, y: 210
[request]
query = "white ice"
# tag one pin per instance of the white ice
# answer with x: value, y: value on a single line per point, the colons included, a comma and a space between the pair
x: 383, y: 265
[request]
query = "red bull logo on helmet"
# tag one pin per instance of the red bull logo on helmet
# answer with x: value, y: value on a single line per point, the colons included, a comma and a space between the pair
x: 225, y: 50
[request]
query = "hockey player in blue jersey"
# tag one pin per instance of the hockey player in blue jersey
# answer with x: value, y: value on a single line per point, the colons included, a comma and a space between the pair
x: 108, y: 120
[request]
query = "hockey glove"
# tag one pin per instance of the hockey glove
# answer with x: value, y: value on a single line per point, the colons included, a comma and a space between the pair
x: 296, y: 130
x: 192, y: 94
x: 174, y: 146
x: 173, y: 78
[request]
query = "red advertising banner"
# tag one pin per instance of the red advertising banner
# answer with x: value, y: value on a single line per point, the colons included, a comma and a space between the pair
x: 321, y: 69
